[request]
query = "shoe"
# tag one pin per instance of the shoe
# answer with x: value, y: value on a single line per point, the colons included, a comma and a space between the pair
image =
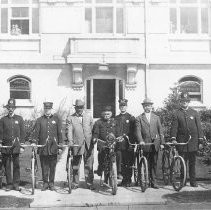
x: 91, y: 187
x: 74, y: 186
x: 122, y: 183
x: 9, y: 187
x: 98, y: 172
x: 129, y: 184
x: 154, y: 186
x: 52, y: 188
x: 119, y: 176
x: 45, y: 187
x: 194, y: 184
x: 16, y: 188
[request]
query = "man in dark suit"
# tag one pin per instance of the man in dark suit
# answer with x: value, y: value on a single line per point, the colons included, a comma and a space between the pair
x: 79, y: 131
x: 11, y: 129
x: 101, y: 129
x: 186, y: 122
x: 48, y: 132
x: 125, y: 125
x: 149, y: 130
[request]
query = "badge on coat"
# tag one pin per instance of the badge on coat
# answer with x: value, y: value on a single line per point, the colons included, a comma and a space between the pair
x: 16, y: 122
x: 53, y: 122
x: 191, y: 117
x: 127, y: 121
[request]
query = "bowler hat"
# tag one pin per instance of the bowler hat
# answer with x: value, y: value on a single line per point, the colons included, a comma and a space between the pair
x: 147, y: 101
x: 107, y: 108
x: 11, y: 103
x: 184, y: 96
x: 48, y: 105
x: 79, y: 102
x: 123, y: 102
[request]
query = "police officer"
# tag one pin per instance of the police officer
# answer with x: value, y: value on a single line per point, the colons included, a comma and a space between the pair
x: 12, y: 128
x: 101, y: 129
x: 48, y: 132
x: 186, y: 122
x: 125, y: 125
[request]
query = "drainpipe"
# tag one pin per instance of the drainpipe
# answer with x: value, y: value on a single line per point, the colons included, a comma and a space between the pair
x: 146, y: 37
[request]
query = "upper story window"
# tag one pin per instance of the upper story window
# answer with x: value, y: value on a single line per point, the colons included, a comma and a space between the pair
x: 104, y: 16
x: 19, y: 17
x: 20, y: 87
x: 193, y: 85
x: 189, y: 16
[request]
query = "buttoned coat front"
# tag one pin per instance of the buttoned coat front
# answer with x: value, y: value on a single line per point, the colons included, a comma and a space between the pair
x: 186, y: 123
x: 149, y: 132
x: 10, y: 129
x: 48, y: 132
x: 79, y: 131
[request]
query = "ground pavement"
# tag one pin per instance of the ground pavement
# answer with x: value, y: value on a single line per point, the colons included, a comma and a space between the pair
x: 102, y: 196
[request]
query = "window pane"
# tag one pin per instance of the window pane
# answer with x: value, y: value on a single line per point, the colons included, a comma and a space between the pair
x: 104, y: 20
x: 121, y: 89
x: 19, y: 27
x: 20, y: 94
x: 4, y: 20
x: 204, y: 20
x: 88, y: 94
x: 4, y: 1
x: 20, y: 1
x: 20, y: 12
x: 188, y: 19
x: 173, y: 20
x: 19, y: 84
x: 88, y: 20
x: 119, y: 20
x: 103, y: 1
x: 35, y: 20
x: 188, y: 1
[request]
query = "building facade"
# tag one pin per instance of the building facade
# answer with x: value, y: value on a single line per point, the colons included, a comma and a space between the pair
x: 103, y: 50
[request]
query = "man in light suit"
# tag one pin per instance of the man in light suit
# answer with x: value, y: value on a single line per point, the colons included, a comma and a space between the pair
x: 149, y: 130
x: 79, y: 131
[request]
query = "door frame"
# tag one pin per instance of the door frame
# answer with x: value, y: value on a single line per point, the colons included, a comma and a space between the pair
x: 117, y: 80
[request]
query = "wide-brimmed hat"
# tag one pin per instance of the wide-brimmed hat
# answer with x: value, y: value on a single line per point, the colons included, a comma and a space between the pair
x: 78, y: 103
x: 123, y: 102
x: 48, y: 105
x: 184, y: 96
x: 147, y: 101
x: 11, y: 103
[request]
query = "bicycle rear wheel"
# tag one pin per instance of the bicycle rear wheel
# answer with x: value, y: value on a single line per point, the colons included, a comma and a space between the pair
x: 178, y: 173
x: 33, y: 175
x: 166, y: 167
x: 113, y: 177
x: 69, y: 175
x: 143, y: 174
x: 135, y: 171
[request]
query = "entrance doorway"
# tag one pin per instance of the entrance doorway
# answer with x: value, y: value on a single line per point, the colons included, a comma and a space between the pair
x: 103, y: 92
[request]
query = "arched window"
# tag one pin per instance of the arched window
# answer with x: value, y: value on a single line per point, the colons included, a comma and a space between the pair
x: 20, y: 87
x: 193, y: 85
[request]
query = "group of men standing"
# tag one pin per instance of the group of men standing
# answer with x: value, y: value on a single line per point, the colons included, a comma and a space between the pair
x: 80, y: 130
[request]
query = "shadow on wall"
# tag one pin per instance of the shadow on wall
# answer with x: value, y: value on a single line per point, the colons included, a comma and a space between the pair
x: 64, y: 78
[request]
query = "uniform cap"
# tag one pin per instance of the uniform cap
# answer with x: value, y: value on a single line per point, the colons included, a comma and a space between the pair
x: 184, y: 96
x: 147, y: 101
x: 123, y: 102
x: 48, y: 105
x: 11, y: 103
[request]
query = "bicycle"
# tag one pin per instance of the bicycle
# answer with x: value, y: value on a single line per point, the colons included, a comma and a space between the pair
x: 109, y: 164
x: 173, y: 165
x: 140, y: 167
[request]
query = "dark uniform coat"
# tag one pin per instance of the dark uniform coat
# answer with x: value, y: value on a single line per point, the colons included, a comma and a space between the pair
x: 48, y: 130
x: 185, y: 123
x: 125, y: 124
x: 79, y: 131
x: 11, y: 128
x: 102, y: 128
x: 149, y: 132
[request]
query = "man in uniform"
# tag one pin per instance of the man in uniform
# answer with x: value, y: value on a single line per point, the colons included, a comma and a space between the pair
x: 186, y: 122
x: 149, y: 130
x: 12, y: 129
x: 101, y: 129
x: 48, y: 132
x: 125, y: 125
x: 79, y: 131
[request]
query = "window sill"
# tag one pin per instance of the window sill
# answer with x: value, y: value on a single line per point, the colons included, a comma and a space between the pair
x: 197, y: 105
x: 189, y: 37
x: 20, y: 37
x: 24, y: 103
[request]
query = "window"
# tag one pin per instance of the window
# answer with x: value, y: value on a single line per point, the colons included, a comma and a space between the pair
x: 104, y: 16
x: 20, y: 87
x: 19, y: 17
x: 189, y: 16
x: 193, y: 85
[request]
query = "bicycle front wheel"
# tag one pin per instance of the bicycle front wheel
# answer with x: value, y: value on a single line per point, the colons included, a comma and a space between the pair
x: 69, y: 175
x: 143, y: 174
x: 113, y: 177
x: 166, y: 167
x: 178, y: 173
x: 135, y: 171
x: 33, y: 174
